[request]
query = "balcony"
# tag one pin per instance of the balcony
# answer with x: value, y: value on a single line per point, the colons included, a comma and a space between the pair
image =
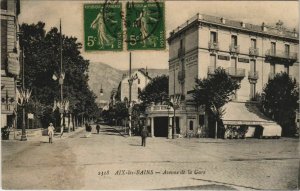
x: 253, y: 51
x: 272, y: 75
x: 213, y: 46
x: 253, y: 75
x: 281, y: 55
x: 181, y: 52
x: 211, y: 70
x: 234, y: 49
x: 7, y: 108
x: 235, y: 72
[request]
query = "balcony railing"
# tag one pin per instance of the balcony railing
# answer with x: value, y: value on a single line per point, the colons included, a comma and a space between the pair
x: 235, y: 72
x: 253, y: 51
x: 181, y: 52
x: 211, y: 70
x: 272, y: 75
x: 282, y: 54
x: 213, y: 45
x: 234, y: 48
x: 253, y: 75
x: 7, y: 107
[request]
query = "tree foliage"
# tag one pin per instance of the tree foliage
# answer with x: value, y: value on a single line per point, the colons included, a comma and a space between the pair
x: 156, y: 91
x: 216, y: 90
x: 42, y: 60
x: 280, y: 101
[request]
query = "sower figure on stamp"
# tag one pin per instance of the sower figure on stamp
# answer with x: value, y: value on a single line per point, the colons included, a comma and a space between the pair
x: 103, y: 37
x: 143, y: 22
x: 144, y: 134
x: 50, y: 132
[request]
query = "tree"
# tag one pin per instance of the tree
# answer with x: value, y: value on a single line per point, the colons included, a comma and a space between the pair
x: 214, y: 92
x: 280, y: 101
x: 42, y: 60
x: 156, y: 91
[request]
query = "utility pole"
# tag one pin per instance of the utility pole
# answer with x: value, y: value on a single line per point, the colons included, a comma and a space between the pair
x: 130, y: 84
x: 61, y: 81
x: 174, y: 105
x: 23, y: 136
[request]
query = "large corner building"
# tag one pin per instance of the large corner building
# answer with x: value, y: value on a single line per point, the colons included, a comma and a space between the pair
x: 249, y: 53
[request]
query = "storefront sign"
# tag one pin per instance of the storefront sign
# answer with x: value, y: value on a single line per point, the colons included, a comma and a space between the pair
x: 223, y: 57
x: 246, y: 60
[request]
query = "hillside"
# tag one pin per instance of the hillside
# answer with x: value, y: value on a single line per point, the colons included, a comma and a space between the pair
x: 109, y: 77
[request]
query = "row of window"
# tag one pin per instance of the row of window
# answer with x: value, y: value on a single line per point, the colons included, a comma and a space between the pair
x: 234, y: 41
x: 213, y: 63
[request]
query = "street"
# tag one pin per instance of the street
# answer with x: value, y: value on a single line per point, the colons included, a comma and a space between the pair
x: 111, y: 161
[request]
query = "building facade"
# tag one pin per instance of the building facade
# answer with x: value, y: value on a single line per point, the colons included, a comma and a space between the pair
x: 10, y: 56
x: 140, y: 81
x: 249, y: 53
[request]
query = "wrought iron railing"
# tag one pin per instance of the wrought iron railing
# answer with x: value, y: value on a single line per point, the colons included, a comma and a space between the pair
x: 213, y: 45
x: 235, y: 72
x: 253, y: 75
x: 234, y: 48
x: 253, y: 51
x: 282, y: 54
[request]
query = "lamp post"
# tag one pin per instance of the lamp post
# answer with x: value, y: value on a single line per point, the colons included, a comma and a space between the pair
x: 62, y: 105
x: 24, y: 94
x: 130, y: 81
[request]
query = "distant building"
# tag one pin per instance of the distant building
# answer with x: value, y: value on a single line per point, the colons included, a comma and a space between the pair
x: 249, y: 53
x: 141, y: 79
x: 10, y: 56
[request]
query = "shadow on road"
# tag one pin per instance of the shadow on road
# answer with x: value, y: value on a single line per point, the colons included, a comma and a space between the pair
x: 135, y: 145
x: 111, y: 131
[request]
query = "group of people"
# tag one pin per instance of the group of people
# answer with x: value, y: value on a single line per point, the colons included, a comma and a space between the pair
x: 88, y: 128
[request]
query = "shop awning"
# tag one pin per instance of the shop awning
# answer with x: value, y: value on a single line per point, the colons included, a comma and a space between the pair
x: 240, y: 113
x: 271, y: 129
x: 13, y: 64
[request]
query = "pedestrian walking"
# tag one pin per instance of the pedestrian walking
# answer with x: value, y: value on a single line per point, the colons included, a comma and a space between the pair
x: 144, y: 135
x: 98, y: 128
x: 88, y: 129
x: 50, y: 132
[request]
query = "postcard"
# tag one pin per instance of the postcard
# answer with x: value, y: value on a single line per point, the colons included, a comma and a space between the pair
x: 149, y: 94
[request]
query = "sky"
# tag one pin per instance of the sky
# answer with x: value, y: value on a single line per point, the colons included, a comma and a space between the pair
x: 176, y: 13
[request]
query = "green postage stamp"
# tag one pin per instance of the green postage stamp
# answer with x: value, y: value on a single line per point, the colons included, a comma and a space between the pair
x: 103, y: 27
x: 145, y: 25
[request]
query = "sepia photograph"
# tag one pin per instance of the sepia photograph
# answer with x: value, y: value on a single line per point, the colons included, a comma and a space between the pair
x: 149, y: 95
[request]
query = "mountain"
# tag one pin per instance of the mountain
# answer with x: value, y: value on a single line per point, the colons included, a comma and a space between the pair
x: 109, y: 78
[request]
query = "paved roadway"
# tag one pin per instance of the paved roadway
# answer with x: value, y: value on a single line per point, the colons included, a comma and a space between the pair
x: 111, y: 161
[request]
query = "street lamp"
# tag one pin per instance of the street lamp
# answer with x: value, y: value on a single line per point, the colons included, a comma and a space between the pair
x: 62, y: 105
x: 130, y: 81
x: 22, y: 99
x: 24, y: 94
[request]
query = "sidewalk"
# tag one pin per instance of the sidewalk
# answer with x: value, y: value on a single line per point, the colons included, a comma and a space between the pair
x: 39, y: 137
